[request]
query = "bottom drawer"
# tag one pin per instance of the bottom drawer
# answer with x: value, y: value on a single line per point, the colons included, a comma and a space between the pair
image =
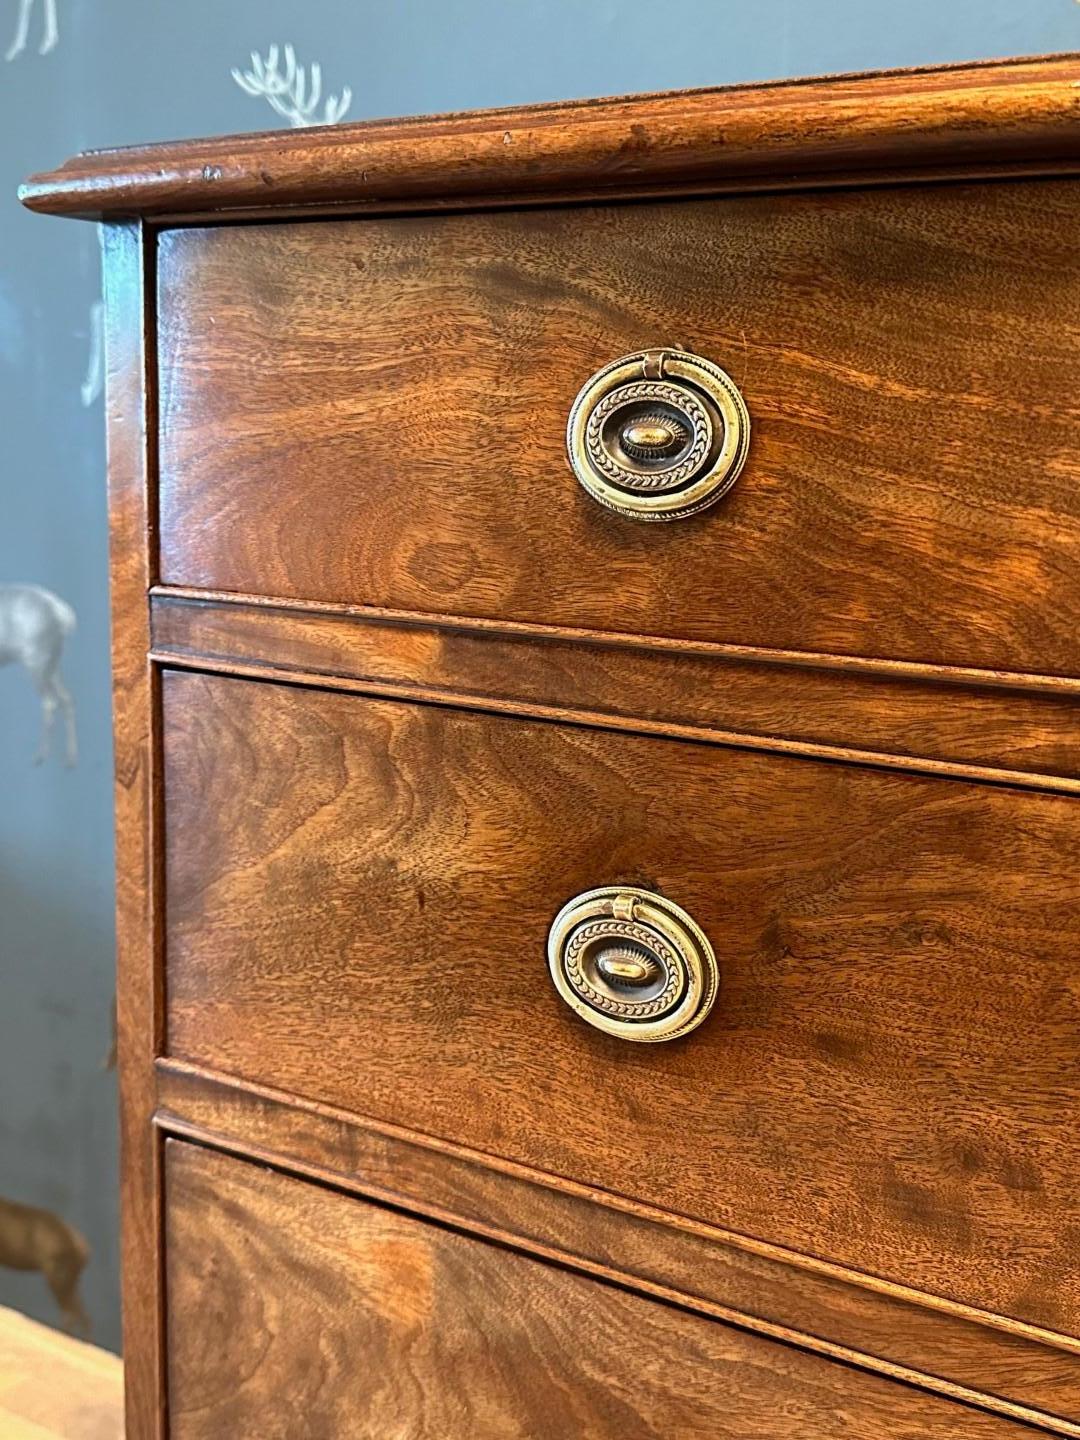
x: 294, y: 1311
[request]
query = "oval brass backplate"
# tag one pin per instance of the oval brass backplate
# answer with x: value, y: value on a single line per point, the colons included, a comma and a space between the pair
x: 632, y: 963
x: 658, y: 435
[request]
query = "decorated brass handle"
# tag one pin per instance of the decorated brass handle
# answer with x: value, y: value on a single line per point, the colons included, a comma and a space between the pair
x: 658, y: 435
x: 632, y: 963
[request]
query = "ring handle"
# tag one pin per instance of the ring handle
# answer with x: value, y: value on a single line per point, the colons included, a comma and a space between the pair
x: 658, y: 435
x: 632, y: 963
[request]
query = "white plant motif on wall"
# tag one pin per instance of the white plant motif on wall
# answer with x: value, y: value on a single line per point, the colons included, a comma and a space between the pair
x: 293, y: 94
x: 34, y: 623
x: 50, y: 30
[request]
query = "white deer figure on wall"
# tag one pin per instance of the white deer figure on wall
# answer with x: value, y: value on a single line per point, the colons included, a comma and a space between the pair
x: 50, y: 30
x: 34, y: 624
x: 92, y: 386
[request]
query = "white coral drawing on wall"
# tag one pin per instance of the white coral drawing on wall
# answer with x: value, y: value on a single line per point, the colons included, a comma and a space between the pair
x: 50, y: 29
x: 294, y: 93
x: 34, y: 623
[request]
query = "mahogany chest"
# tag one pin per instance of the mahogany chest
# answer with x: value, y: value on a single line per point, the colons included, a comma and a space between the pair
x: 597, y: 666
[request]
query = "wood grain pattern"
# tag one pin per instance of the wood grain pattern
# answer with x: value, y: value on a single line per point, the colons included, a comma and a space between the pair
x: 801, y: 132
x: 374, y: 413
x: 130, y: 412
x: 872, y: 1145
x: 949, y: 717
x: 1021, y: 1372
x: 358, y: 899
x: 368, y: 1324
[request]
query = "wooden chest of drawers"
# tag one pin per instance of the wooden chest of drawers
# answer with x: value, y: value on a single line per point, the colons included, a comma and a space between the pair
x: 447, y: 775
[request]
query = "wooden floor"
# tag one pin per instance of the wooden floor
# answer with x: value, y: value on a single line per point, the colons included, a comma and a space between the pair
x: 52, y: 1386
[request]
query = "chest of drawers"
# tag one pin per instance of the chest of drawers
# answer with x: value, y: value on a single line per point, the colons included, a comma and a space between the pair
x: 596, y: 676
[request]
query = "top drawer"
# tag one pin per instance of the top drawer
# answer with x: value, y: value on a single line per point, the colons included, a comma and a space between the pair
x: 374, y: 412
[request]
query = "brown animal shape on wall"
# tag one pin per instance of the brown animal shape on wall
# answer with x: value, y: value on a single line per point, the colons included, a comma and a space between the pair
x: 33, y: 1239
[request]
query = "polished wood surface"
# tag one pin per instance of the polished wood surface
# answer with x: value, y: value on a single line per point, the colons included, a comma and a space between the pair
x: 980, y: 724
x: 390, y: 689
x: 367, y: 1323
x: 130, y: 417
x: 374, y: 413
x: 920, y: 122
x: 1017, y: 1370
x: 358, y: 895
x: 53, y: 1387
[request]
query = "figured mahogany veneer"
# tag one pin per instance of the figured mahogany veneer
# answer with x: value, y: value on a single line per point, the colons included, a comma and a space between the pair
x: 1003, y: 115
x: 358, y: 898
x: 375, y: 413
x: 365, y: 1322
x: 1022, y: 1371
x: 976, y: 723
x: 390, y: 688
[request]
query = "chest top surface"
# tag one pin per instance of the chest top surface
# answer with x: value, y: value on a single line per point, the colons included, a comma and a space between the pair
x: 928, y: 123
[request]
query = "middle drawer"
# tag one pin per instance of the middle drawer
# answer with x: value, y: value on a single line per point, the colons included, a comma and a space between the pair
x: 358, y: 894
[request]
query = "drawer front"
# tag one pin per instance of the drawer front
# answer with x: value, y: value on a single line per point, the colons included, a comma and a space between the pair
x: 375, y: 412
x: 358, y: 894
x: 293, y: 1310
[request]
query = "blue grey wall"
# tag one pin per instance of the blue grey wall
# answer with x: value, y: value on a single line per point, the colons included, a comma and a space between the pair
x: 123, y: 71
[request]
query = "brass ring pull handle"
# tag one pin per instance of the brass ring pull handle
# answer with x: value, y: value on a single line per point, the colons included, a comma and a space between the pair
x: 658, y: 435
x: 632, y: 963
